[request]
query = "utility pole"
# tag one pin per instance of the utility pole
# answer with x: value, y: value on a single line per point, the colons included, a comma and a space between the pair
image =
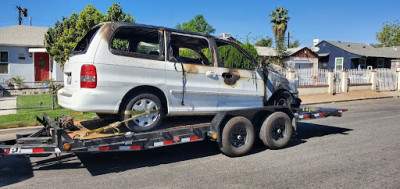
x: 288, y: 39
x: 24, y: 13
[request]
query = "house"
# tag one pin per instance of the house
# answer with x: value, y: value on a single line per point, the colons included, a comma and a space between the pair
x: 23, y: 54
x: 338, y: 56
x: 295, y: 58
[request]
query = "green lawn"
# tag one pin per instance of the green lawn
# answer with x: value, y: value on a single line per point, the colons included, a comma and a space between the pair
x: 26, y: 117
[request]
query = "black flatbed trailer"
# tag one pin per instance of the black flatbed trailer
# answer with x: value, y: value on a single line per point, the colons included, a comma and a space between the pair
x: 234, y: 131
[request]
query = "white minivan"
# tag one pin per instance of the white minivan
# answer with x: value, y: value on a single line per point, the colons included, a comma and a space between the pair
x: 124, y: 69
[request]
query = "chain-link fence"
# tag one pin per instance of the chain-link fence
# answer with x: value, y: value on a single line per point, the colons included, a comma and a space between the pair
x: 28, y: 95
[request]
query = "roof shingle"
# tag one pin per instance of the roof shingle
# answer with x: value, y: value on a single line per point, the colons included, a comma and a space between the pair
x: 367, y: 50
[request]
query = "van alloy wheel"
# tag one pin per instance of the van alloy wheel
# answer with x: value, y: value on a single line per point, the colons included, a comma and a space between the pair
x: 146, y: 105
x: 138, y: 104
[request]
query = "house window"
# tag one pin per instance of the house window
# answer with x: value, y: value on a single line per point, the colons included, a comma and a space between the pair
x: 380, y: 63
x: 3, y: 62
x: 338, y: 64
x: 363, y: 63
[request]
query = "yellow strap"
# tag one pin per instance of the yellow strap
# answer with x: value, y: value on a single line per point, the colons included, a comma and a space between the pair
x: 114, y: 126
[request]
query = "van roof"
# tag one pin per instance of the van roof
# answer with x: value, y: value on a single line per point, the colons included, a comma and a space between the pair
x: 124, y: 24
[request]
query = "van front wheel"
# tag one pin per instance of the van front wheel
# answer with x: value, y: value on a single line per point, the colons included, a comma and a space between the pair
x: 140, y: 104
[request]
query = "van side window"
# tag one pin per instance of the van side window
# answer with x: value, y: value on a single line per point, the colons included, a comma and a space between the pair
x: 141, y: 42
x: 232, y: 57
x: 187, y: 49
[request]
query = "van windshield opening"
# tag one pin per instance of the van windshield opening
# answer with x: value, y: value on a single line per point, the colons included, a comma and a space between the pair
x: 83, y: 44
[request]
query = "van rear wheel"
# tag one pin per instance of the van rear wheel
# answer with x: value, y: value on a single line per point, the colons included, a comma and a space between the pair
x: 138, y: 104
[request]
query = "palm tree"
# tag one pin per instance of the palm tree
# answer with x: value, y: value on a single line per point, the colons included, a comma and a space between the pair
x: 279, y: 18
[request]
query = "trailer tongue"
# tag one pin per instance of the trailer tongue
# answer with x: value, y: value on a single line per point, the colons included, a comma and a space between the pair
x: 234, y: 131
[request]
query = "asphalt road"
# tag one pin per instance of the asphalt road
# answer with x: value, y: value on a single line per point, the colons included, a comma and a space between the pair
x: 359, y: 150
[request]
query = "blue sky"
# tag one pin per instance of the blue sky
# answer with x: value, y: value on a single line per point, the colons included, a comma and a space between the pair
x: 338, y: 20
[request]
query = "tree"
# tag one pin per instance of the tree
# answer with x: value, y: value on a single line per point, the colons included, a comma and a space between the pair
x: 233, y: 58
x: 389, y: 35
x: 294, y: 44
x: 197, y: 24
x: 115, y: 14
x: 264, y: 42
x: 279, y: 18
x: 60, y: 40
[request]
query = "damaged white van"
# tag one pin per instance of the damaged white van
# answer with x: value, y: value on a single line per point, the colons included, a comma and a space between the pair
x: 124, y: 69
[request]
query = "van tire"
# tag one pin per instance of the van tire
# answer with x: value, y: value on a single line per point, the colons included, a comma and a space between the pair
x: 237, y: 137
x: 283, y: 98
x: 143, y: 102
x: 276, y: 130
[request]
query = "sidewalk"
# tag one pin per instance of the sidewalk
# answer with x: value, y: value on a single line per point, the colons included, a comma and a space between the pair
x: 8, y: 103
x: 350, y: 96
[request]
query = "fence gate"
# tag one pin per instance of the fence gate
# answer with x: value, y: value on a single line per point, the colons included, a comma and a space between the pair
x: 337, y: 82
x: 387, y: 79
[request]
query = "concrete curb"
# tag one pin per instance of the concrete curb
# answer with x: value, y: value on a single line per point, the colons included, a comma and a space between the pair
x: 357, y: 99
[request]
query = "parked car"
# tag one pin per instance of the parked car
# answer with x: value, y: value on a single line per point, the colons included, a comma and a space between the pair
x: 122, y: 69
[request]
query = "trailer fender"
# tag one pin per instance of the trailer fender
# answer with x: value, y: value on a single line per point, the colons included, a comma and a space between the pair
x: 215, y: 131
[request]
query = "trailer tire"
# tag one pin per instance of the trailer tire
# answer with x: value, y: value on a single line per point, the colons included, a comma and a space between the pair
x: 237, y: 137
x: 276, y: 130
x: 141, y: 102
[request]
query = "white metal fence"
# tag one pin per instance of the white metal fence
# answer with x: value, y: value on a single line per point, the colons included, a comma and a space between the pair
x: 361, y: 76
x: 308, y: 76
x: 337, y: 81
x: 387, y: 79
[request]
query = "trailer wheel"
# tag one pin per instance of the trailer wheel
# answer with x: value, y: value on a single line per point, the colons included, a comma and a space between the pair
x: 276, y: 130
x: 143, y: 102
x: 237, y: 137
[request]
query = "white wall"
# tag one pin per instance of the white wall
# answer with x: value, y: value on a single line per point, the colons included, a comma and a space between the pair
x: 58, y: 74
x: 16, y: 66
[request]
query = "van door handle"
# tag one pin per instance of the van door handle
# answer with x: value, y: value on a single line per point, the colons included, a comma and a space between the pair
x: 211, y: 74
x: 227, y: 75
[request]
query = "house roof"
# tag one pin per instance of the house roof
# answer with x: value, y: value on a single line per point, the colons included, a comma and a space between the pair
x: 265, y: 51
x: 367, y: 50
x: 269, y: 51
x: 26, y: 36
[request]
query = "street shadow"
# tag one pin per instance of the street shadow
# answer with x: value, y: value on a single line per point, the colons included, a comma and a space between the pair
x: 309, y: 130
x: 304, y: 132
x: 14, y: 169
x: 114, y: 162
